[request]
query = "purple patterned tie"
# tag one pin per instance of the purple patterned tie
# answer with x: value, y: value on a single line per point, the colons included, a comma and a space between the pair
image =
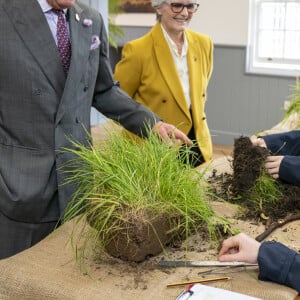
x: 63, y: 41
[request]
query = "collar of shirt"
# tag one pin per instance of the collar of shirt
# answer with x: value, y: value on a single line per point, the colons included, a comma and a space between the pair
x: 51, y: 17
x: 173, y: 45
x: 46, y: 7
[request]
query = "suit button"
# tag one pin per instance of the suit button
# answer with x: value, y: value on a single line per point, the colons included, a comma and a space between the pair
x: 37, y: 92
x: 85, y: 88
x: 203, y: 118
x: 164, y: 100
x: 203, y: 95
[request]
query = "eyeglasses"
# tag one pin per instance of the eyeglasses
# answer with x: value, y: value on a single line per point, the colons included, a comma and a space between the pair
x: 177, y: 7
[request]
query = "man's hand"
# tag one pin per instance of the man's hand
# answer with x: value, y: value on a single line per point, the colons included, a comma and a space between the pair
x: 239, y: 248
x: 171, y: 134
x: 272, y: 165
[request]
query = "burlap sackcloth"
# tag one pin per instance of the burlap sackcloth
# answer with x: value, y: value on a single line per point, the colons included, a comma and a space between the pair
x: 49, y: 269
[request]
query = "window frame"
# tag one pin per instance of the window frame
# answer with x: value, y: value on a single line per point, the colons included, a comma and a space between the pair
x: 271, y: 65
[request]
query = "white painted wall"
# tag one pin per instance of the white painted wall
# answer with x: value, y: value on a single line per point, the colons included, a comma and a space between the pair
x: 226, y: 21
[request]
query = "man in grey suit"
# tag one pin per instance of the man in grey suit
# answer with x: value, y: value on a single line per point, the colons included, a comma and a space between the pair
x: 41, y: 106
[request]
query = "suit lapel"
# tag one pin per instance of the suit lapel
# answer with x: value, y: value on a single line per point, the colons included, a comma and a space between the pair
x: 80, y: 41
x: 194, y: 70
x: 80, y: 44
x: 32, y: 27
x: 167, y: 67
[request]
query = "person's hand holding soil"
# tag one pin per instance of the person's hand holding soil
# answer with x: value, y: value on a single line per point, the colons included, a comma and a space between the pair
x: 257, y: 141
x: 273, y: 162
x: 272, y: 165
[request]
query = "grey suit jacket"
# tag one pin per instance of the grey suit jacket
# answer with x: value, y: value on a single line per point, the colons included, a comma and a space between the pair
x: 40, y: 109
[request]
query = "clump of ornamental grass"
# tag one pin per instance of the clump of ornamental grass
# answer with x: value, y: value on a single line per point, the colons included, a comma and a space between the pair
x: 123, y: 181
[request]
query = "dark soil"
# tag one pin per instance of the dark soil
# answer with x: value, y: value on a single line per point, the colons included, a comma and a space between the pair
x: 144, y: 235
x: 247, y: 165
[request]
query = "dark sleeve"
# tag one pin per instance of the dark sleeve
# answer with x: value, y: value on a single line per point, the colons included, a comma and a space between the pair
x: 279, y: 264
x: 289, y: 170
x: 113, y: 102
x: 288, y: 145
x: 285, y: 143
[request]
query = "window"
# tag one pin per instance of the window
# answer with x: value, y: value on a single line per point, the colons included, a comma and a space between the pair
x: 274, y: 37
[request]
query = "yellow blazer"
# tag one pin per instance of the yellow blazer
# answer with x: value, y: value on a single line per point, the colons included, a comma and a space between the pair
x: 148, y: 74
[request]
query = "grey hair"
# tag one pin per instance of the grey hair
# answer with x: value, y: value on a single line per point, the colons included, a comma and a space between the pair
x: 156, y: 3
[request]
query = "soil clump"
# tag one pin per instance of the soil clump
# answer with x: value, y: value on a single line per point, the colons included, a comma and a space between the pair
x: 236, y: 187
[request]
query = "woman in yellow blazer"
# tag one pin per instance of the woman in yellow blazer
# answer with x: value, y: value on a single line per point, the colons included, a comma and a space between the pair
x: 168, y: 70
